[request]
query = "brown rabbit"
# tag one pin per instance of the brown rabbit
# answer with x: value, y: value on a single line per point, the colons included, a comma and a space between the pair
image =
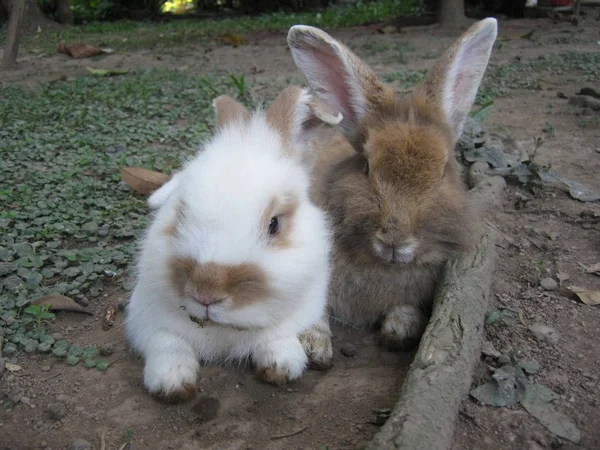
x: 390, y: 183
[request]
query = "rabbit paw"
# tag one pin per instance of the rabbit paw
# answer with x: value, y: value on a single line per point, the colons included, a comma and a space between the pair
x: 317, y: 344
x: 402, y: 328
x: 280, y: 361
x: 171, y: 378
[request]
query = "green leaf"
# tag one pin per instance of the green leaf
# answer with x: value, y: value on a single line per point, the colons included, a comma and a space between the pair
x: 34, y: 310
x: 44, y: 347
x: 75, y: 350
x: 72, y: 360
x: 102, y: 365
x: 107, y: 72
x: 60, y: 352
x: 90, y: 351
x: 90, y: 362
x: 61, y: 344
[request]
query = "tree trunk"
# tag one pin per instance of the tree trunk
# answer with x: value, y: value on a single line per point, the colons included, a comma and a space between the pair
x: 63, y: 11
x: 13, y: 35
x: 451, y: 13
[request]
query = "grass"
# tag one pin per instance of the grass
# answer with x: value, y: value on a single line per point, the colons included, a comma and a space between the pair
x: 500, y: 80
x: 129, y: 35
x: 68, y: 225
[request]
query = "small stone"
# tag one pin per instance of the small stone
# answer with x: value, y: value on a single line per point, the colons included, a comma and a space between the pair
x: 488, y: 349
x: 64, y: 399
x: 26, y: 401
x: 477, y: 172
x: 79, y: 409
x: 562, y: 95
x: 56, y: 411
x: 503, y: 359
x: 81, y: 444
x: 2, y: 366
x: 530, y: 366
x: 46, y: 368
x: 107, y: 349
x: 544, y: 333
x: 548, y: 284
x: 83, y: 301
x: 57, y: 336
x: 348, y: 349
x: 43, y: 444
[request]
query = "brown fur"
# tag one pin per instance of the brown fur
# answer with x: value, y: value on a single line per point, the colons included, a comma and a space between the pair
x: 280, y: 114
x: 245, y: 284
x: 186, y: 393
x: 412, y: 191
x: 273, y: 375
x: 227, y: 110
x: 284, y: 208
x: 171, y: 230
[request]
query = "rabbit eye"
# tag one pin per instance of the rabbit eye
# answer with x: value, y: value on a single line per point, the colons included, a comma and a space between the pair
x: 274, y: 226
x: 366, y: 169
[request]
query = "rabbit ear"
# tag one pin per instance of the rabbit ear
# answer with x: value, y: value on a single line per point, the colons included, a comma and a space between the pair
x: 162, y: 194
x: 454, y: 80
x: 337, y: 75
x: 295, y: 115
x: 227, y: 111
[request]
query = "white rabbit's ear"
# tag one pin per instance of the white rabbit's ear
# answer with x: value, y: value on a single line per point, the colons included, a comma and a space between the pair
x: 228, y: 110
x: 337, y: 75
x: 295, y: 115
x: 455, y: 78
x: 162, y: 194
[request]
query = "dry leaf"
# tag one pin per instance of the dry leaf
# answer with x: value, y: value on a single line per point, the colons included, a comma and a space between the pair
x: 142, y: 180
x: 60, y: 303
x: 234, y: 39
x: 107, y: 72
x: 590, y: 298
x: 79, y: 51
x: 108, y: 317
x: 594, y: 268
x: 562, y: 276
x: 390, y: 29
x: 12, y: 367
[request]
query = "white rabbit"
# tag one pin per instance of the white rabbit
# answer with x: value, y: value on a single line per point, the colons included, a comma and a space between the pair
x: 235, y: 265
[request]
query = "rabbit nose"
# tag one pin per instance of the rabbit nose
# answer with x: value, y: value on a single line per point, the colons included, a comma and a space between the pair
x: 404, y: 253
x: 206, y: 299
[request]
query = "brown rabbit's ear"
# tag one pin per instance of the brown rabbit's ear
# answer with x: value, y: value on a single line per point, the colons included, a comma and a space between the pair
x: 337, y: 75
x: 295, y: 115
x: 227, y: 111
x: 454, y: 79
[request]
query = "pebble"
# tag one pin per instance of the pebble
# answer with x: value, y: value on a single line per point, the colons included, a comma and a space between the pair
x: 477, y: 172
x: 46, y: 368
x: 43, y: 444
x: 530, y: 366
x: 548, y: 284
x: 57, y: 336
x: 79, y: 409
x: 503, y: 359
x: 81, y: 444
x: 348, y: 349
x: 26, y: 401
x: 56, y: 411
x: 545, y: 333
x: 83, y: 301
x: 2, y: 366
x: 64, y: 399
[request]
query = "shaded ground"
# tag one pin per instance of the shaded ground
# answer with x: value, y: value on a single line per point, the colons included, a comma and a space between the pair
x: 549, y: 232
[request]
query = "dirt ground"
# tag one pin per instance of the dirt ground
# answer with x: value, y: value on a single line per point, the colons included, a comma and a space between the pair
x: 541, y: 233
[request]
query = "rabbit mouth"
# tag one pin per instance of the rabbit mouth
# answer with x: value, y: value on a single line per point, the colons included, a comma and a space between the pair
x: 395, y: 254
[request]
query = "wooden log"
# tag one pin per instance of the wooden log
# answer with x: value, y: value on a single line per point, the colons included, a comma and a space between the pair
x: 440, y: 375
x: 15, y: 24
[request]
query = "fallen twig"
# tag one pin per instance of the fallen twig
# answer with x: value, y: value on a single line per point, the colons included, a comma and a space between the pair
x: 102, y: 441
x: 293, y: 433
x: 50, y: 377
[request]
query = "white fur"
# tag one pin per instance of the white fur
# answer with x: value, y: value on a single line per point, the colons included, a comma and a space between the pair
x: 226, y: 189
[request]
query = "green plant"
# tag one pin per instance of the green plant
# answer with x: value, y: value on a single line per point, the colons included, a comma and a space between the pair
x: 240, y: 84
x: 39, y: 313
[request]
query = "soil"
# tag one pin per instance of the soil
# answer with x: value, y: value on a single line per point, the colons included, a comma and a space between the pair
x: 546, y: 233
